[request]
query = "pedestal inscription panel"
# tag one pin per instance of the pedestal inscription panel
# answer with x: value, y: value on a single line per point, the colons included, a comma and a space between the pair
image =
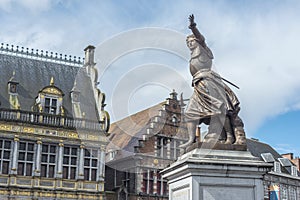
x: 181, y: 194
x: 226, y: 193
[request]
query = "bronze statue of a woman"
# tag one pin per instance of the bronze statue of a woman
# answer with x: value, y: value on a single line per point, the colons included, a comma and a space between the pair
x: 212, y: 102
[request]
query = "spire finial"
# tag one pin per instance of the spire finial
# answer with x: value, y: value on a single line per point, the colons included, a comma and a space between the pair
x: 12, y: 78
x: 173, y: 94
x: 52, y: 81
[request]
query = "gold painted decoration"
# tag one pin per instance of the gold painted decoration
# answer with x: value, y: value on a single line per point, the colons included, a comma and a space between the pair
x: 52, y: 81
x: 3, y: 192
x: 73, y: 135
x: 5, y: 127
x: 52, y: 90
x: 47, y: 194
x: 14, y: 102
x: 28, y: 129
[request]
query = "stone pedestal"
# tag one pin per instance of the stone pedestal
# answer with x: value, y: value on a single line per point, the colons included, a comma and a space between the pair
x: 204, y: 174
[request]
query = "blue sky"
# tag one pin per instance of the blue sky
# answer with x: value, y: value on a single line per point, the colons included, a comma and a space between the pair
x: 256, y: 45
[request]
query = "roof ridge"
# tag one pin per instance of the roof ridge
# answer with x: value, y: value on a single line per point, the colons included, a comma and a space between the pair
x: 37, y: 54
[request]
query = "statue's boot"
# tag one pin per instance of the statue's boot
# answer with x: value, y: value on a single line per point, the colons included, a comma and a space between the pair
x: 239, y: 131
x: 230, y: 139
x: 191, y: 126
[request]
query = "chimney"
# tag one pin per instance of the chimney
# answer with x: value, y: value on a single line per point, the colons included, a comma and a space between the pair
x: 296, y: 161
x: 289, y: 156
x: 89, y: 55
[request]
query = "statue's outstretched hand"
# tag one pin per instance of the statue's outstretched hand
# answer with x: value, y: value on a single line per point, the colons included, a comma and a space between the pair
x: 192, y: 22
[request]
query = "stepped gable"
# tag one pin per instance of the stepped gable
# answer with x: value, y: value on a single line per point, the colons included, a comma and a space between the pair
x: 124, y: 134
x: 34, y: 74
x: 141, y: 132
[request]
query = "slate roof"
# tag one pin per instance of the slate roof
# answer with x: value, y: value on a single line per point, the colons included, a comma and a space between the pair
x: 257, y: 148
x: 33, y: 75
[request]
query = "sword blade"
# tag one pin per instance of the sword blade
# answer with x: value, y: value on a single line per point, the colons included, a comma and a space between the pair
x: 230, y: 83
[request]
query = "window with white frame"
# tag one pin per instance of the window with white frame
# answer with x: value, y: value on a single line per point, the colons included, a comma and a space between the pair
x: 25, y: 158
x: 298, y: 192
x: 175, y: 150
x: 162, y: 147
x: 292, y: 193
x: 48, y: 161
x: 90, y: 164
x: 49, y: 100
x: 5, y: 156
x: 283, y: 192
x: 50, y: 105
x: 70, y: 162
x: 148, y: 180
x: 277, y: 167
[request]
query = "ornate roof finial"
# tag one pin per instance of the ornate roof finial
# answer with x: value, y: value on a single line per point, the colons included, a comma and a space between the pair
x: 12, y: 77
x: 52, y: 81
x: 173, y: 95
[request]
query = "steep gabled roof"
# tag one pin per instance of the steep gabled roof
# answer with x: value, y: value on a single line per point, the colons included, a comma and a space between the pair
x: 33, y: 75
x: 124, y: 134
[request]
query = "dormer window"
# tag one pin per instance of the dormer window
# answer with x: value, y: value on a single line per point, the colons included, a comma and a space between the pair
x: 12, y: 84
x: 12, y: 88
x: 75, y: 97
x: 50, y: 100
x: 13, y: 93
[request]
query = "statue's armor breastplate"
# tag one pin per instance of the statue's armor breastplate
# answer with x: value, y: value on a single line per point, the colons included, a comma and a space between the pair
x: 202, y: 60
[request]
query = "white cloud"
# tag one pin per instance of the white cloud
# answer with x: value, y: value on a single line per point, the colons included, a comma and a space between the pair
x: 35, y: 38
x: 34, y: 6
x: 5, y: 5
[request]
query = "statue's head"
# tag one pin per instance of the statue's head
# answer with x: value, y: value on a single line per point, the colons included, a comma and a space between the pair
x: 192, y: 42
